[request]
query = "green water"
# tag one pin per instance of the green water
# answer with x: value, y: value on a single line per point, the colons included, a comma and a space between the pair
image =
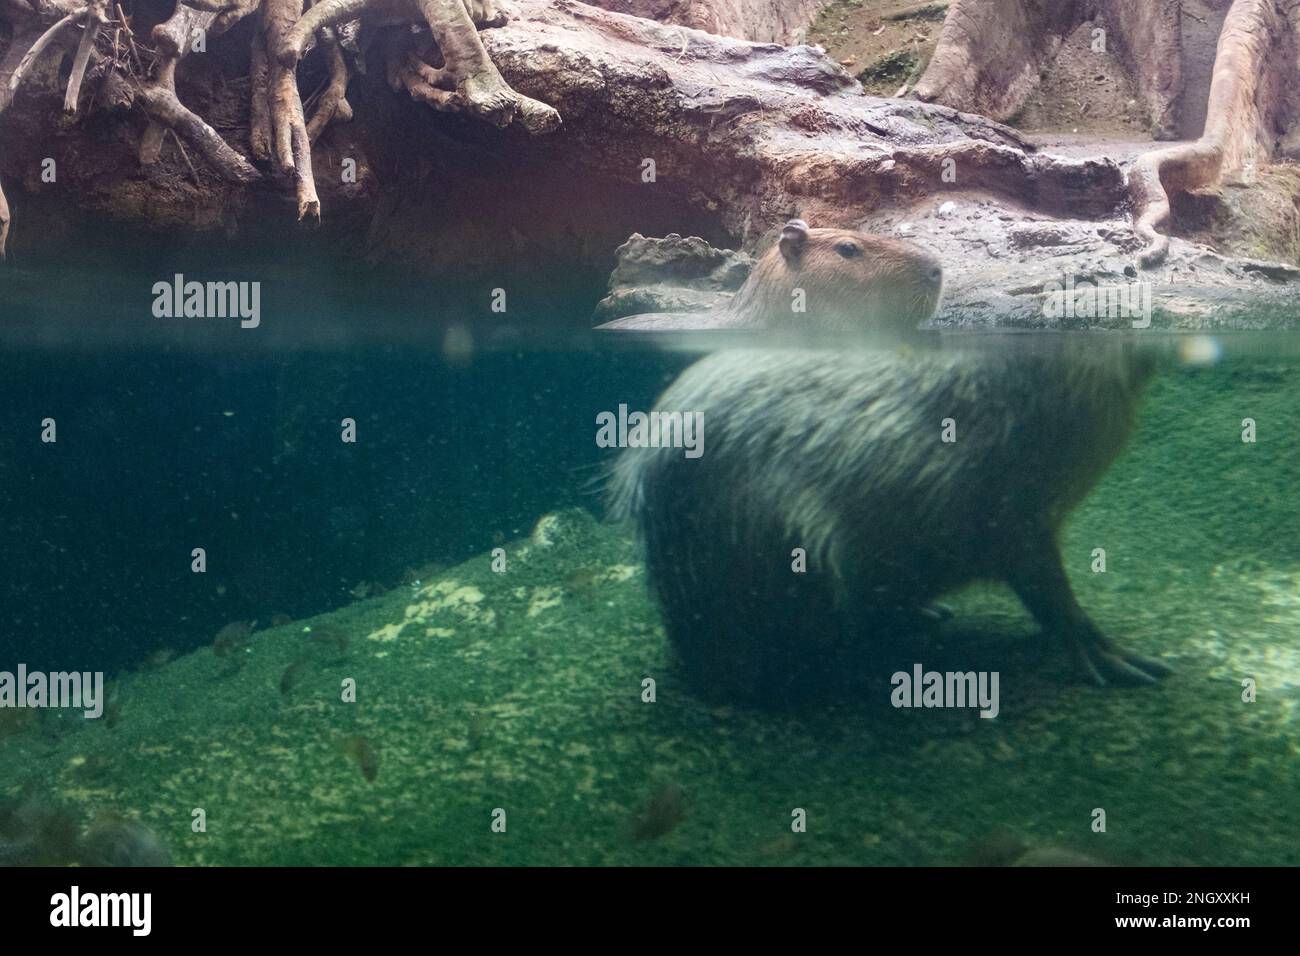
x: 521, y: 692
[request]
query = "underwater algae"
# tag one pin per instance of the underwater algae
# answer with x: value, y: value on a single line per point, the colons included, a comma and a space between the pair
x: 523, y: 691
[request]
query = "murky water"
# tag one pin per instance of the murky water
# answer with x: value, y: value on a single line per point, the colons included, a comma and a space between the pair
x: 448, y: 651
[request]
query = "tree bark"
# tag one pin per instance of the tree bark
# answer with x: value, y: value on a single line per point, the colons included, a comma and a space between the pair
x: 1248, y: 102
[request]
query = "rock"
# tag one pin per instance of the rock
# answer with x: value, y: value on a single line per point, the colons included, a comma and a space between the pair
x: 671, y: 274
x: 765, y: 21
x: 743, y: 137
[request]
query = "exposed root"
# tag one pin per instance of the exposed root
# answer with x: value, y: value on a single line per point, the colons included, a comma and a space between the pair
x: 992, y: 53
x: 96, y: 17
x: 259, y: 108
x: 331, y: 103
x: 468, y: 82
x: 291, y: 146
x: 162, y: 106
x: 54, y: 33
x: 228, y: 12
x: 327, y: 14
x: 407, y: 70
x: 194, y: 173
x: 484, y: 92
x: 1154, y: 176
x: 37, y: 48
x: 4, y: 223
x: 279, y: 133
x: 158, y: 101
x: 1243, y: 104
x: 536, y: 116
x: 130, y: 36
x: 150, y: 150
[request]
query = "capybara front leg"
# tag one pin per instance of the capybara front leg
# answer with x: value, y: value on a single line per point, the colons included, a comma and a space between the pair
x: 1039, y: 579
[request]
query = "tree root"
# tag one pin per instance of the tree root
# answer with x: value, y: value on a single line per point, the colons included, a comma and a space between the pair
x: 4, y: 223
x: 37, y: 48
x: 96, y: 17
x: 290, y: 142
x: 1244, y: 106
x: 50, y: 36
x: 468, y: 82
x: 329, y: 13
x: 279, y: 133
x: 157, y: 97
x: 162, y: 106
x: 259, y: 107
x: 332, y: 102
x: 991, y: 53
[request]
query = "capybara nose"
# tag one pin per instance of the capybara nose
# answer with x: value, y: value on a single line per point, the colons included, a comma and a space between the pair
x: 935, y: 275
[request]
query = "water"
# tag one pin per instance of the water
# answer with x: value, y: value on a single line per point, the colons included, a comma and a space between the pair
x: 483, y: 697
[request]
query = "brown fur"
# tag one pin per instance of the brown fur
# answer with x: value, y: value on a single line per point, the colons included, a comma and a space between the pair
x: 840, y: 453
x: 886, y: 286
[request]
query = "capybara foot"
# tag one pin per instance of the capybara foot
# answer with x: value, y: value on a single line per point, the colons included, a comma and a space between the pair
x: 1104, y: 662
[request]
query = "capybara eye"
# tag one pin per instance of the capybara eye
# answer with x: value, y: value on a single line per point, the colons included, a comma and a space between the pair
x: 848, y: 250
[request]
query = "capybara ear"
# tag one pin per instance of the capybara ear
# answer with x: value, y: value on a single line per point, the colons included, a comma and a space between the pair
x: 793, y: 238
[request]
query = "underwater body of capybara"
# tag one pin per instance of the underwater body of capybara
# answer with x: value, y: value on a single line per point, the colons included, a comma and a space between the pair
x: 843, y: 454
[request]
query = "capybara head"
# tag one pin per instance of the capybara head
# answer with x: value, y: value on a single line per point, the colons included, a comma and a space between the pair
x: 839, y: 280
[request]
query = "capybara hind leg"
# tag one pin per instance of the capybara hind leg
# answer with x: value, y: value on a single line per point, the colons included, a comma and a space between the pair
x: 1105, y: 662
x: 1042, y: 585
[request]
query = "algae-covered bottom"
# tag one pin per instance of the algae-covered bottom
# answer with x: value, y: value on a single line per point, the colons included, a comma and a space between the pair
x: 516, y: 696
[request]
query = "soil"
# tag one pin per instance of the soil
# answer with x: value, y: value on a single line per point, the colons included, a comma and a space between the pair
x: 1081, y: 92
x: 883, y: 54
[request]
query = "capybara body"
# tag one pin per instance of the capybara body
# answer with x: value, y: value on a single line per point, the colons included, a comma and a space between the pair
x: 841, y: 454
x: 823, y: 280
